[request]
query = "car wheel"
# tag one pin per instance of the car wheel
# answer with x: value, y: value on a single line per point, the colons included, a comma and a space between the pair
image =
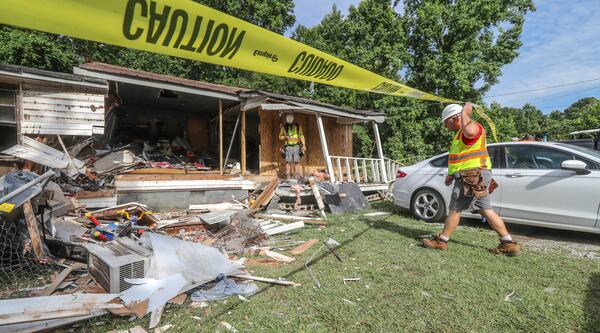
x: 428, y: 205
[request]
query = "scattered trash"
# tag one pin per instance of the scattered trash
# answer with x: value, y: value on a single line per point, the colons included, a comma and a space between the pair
x: 137, y: 260
x: 223, y: 289
x: 550, y: 290
x: 351, y: 279
x: 426, y: 294
x: 376, y: 214
x: 228, y: 326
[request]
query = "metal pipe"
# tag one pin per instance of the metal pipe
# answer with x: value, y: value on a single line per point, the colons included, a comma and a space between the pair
x: 232, y: 139
x: 49, y: 174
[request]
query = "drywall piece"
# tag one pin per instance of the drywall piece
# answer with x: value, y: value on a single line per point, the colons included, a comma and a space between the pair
x: 157, y: 292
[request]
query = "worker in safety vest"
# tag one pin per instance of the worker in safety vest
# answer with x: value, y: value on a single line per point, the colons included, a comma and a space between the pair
x: 469, y: 168
x: 293, y: 138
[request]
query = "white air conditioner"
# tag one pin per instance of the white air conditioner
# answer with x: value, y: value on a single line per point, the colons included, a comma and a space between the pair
x: 111, y: 263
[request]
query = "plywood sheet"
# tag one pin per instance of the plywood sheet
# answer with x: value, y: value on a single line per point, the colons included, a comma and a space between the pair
x: 339, y: 139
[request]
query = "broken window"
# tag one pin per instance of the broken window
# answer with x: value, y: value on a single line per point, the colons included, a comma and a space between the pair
x: 8, y: 122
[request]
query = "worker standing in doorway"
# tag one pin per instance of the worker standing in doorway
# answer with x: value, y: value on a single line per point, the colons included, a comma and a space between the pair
x: 291, y: 133
x: 469, y: 168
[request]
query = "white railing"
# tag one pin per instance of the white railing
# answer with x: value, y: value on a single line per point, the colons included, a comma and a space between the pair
x: 358, y: 169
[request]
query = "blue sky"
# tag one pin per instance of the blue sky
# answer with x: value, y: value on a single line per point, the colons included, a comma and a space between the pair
x: 561, y: 44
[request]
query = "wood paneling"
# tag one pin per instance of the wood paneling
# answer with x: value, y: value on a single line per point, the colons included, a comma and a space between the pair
x: 339, y: 139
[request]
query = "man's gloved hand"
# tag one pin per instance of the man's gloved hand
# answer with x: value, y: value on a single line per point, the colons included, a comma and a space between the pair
x: 449, y: 179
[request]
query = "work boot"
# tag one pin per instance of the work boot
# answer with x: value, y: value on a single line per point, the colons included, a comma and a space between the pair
x: 435, y: 243
x: 509, y: 248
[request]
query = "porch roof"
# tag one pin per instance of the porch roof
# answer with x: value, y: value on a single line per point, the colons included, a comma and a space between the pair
x: 148, y: 79
x: 277, y: 102
x: 34, y: 74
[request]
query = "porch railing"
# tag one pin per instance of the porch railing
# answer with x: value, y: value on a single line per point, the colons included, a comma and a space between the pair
x: 357, y: 169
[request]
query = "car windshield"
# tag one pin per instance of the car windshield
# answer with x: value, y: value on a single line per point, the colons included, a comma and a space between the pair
x: 587, y: 151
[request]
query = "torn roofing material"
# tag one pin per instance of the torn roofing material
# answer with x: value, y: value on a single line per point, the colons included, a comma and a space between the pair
x: 128, y: 75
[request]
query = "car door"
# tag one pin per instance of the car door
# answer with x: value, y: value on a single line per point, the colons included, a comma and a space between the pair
x: 536, y: 189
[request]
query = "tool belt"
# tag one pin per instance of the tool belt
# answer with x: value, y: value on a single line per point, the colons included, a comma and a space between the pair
x: 474, y: 184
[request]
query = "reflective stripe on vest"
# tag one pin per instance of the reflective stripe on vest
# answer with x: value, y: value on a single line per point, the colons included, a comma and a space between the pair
x: 463, y: 157
x: 293, y: 135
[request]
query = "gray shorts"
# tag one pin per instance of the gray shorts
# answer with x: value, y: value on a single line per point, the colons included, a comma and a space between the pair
x: 292, y: 154
x: 460, y: 202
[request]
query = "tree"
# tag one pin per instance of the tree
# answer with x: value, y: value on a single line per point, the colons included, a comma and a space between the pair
x: 458, y: 47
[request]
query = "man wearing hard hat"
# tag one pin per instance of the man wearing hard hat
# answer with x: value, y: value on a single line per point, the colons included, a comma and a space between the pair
x: 470, y: 169
x: 291, y: 133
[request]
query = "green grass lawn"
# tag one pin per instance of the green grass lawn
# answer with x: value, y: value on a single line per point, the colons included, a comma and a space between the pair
x: 404, y: 287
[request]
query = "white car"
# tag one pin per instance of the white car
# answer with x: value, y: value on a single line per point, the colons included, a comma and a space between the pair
x: 545, y: 184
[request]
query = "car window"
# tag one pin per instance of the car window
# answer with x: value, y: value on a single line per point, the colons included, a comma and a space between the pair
x: 493, y: 157
x: 440, y: 162
x: 534, y: 157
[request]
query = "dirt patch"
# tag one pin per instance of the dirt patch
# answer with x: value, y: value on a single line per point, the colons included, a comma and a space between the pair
x: 582, y: 248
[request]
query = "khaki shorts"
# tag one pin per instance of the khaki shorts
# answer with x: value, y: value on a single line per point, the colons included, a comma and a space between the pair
x: 292, y: 154
x: 459, y: 201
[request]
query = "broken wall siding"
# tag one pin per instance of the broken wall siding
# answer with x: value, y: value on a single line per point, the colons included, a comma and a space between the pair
x: 339, y: 141
x: 59, y: 109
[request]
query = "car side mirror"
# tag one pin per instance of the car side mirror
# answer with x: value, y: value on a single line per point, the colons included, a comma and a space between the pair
x: 574, y: 165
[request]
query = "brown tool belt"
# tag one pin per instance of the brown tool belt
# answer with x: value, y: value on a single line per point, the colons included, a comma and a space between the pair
x: 474, y: 184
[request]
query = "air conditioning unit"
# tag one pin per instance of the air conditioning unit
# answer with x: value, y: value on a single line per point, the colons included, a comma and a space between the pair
x: 111, y: 263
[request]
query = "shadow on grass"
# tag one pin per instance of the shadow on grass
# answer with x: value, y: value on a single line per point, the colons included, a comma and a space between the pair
x: 324, y: 254
x: 408, y: 232
x: 591, y: 306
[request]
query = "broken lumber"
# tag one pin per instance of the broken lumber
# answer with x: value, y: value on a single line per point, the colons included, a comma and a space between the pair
x: 279, y: 256
x: 303, y: 247
x: 290, y: 218
x: 317, y: 194
x: 266, y: 195
x: 33, y: 230
x: 285, y: 228
x: 60, y: 278
x: 155, y: 317
x: 262, y: 279
x: 26, y: 310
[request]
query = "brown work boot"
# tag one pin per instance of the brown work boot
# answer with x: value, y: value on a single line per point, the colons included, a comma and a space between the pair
x: 435, y: 243
x: 511, y: 249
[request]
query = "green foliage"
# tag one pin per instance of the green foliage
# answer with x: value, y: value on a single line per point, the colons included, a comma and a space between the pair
x: 38, y: 50
x: 458, y: 47
x: 454, y: 48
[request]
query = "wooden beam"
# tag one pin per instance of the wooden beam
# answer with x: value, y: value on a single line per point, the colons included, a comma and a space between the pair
x: 243, y: 143
x: 60, y: 278
x: 380, y: 153
x: 325, y: 148
x: 221, y: 136
x: 33, y: 230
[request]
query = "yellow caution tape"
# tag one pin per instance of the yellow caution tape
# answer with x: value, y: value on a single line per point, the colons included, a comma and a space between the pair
x: 480, y: 111
x: 7, y: 207
x: 185, y: 29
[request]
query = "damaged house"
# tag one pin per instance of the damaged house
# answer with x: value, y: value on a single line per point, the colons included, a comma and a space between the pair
x: 202, y: 143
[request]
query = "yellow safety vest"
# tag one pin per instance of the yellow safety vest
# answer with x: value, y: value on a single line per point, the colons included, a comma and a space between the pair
x: 294, y: 133
x: 463, y: 157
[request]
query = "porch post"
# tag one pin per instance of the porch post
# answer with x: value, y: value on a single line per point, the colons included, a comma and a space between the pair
x: 380, y: 152
x: 243, y: 143
x: 221, y: 136
x: 325, y: 148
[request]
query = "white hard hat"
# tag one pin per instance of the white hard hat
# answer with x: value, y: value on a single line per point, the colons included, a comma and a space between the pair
x: 289, y: 118
x: 451, y: 111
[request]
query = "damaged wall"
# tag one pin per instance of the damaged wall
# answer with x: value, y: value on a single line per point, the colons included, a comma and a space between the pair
x: 62, y: 109
x: 339, y: 140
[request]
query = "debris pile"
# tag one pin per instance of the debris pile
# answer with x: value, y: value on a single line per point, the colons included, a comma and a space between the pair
x: 129, y: 260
